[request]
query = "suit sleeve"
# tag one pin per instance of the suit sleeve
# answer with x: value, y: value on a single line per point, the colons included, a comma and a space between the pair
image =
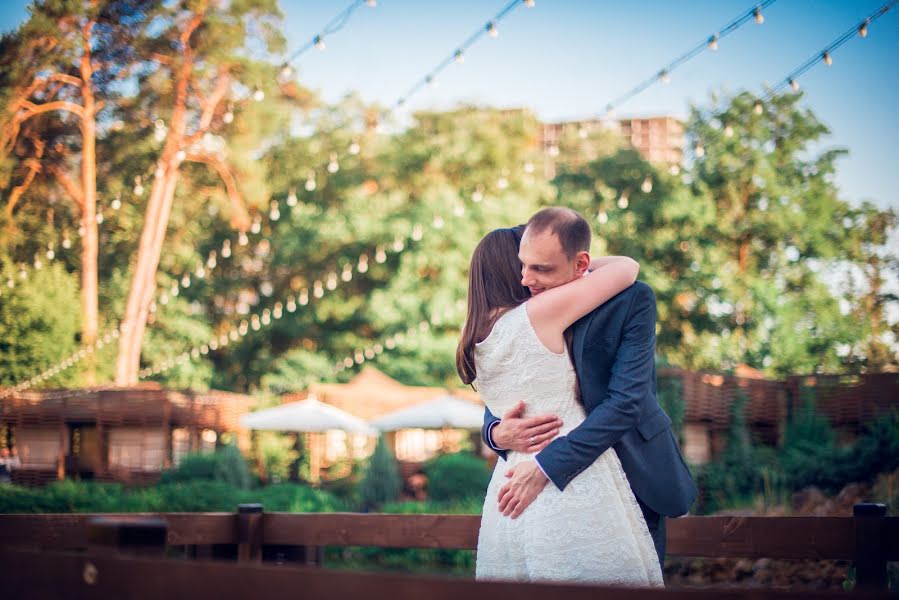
x: 630, y: 382
x: 486, y: 432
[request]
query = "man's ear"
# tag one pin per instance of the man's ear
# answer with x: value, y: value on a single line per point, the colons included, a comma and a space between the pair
x: 581, y: 263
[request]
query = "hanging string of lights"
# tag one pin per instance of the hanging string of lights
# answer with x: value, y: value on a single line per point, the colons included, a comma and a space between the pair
x: 318, y: 40
x: 825, y: 55
x: 458, y: 55
x: 370, y: 352
x: 663, y: 75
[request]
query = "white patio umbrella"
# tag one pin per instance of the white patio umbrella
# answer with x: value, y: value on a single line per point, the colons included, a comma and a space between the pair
x: 444, y: 412
x: 310, y: 416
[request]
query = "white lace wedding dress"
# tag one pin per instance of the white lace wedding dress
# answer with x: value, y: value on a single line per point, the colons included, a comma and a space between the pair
x: 594, y: 531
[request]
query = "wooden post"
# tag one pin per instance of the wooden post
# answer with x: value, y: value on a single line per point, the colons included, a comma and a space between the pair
x: 143, y: 536
x: 870, y: 547
x: 249, y: 533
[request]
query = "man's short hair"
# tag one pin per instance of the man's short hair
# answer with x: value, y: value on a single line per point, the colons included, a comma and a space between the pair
x: 571, y: 228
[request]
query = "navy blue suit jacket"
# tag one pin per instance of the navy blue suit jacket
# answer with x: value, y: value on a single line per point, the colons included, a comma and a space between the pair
x: 614, y: 357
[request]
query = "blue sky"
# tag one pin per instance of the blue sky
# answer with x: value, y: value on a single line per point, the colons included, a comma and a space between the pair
x: 568, y: 58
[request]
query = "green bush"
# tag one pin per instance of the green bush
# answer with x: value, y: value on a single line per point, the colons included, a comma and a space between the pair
x: 293, y: 497
x: 226, y: 465
x: 382, y: 479
x: 457, y: 476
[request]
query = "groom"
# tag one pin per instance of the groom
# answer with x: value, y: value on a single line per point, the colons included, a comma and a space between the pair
x: 613, y: 350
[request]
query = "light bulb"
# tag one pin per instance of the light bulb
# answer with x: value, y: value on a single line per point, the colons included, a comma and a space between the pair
x: 758, y: 108
x: 827, y: 59
x: 713, y: 42
x: 502, y: 183
x: 354, y: 148
x: 286, y: 72
x: 492, y: 31
x: 529, y: 3
x: 728, y: 131
x: 759, y: 17
x: 664, y: 77
x: 794, y: 84
x: 99, y: 218
x: 398, y: 245
x: 317, y: 290
x: 310, y: 182
x: 242, y: 239
x: 459, y: 210
x: 333, y: 167
x: 180, y: 155
x: 50, y: 254
x: 347, y: 273
x: 66, y: 243
x: 255, y: 226
x: 116, y: 203
x: 274, y: 214
x: 292, y: 197
x: 417, y: 232
x: 185, y: 281
x: 259, y: 95
x: 228, y: 117
x: 438, y: 222
x: 331, y: 282
x: 623, y: 201
x: 226, y: 249
x: 863, y: 29
x: 459, y: 56
x: 372, y: 3
x: 602, y: 217
x: 699, y: 150
x: 319, y: 42
x: 362, y: 267
x: 380, y: 255
x: 138, y: 188
x: 646, y: 186
x: 477, y: 195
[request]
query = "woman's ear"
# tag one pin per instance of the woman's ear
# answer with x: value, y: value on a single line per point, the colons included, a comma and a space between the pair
x: 581, y: 263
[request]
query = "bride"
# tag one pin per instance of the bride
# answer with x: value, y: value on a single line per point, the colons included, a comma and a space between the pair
x: 513, y: 349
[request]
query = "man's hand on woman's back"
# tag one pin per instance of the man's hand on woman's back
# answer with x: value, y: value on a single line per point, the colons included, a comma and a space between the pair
x: 525, y: 434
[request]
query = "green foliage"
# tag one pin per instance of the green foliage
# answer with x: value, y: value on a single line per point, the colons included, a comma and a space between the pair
x: 34, y: 332
x: 226, y: 465
x: 810, y: 456
x: 381, y: 482
x: 457, y: 477
x: 198, y: 495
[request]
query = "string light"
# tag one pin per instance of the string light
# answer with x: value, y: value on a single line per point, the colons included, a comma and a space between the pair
x: 458, y: 54
x: 825, y: 55
x: 759, y: 17
x: 710, y: 42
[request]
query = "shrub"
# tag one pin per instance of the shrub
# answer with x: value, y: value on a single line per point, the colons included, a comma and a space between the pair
x: 458, y: 476
x: 382, y: 479
x: 226, y: 465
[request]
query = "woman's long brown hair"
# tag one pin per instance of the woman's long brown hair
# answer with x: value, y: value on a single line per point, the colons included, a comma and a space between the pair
x: 494, y: 283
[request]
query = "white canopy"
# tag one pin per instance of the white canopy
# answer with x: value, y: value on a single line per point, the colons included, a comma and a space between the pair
x: 447, y: 412
x: 306, y: 415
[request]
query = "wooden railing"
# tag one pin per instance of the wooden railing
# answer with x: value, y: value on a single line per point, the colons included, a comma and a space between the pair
x: 60, y: 548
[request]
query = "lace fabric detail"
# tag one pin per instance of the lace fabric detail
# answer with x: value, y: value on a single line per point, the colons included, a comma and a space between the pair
x: 594, y: 531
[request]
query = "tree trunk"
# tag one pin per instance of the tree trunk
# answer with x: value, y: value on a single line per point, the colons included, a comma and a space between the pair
x: 143, y: 283
x: 89, y: 243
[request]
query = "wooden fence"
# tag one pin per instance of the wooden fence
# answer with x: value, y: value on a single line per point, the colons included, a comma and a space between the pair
x: 66, y: 555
